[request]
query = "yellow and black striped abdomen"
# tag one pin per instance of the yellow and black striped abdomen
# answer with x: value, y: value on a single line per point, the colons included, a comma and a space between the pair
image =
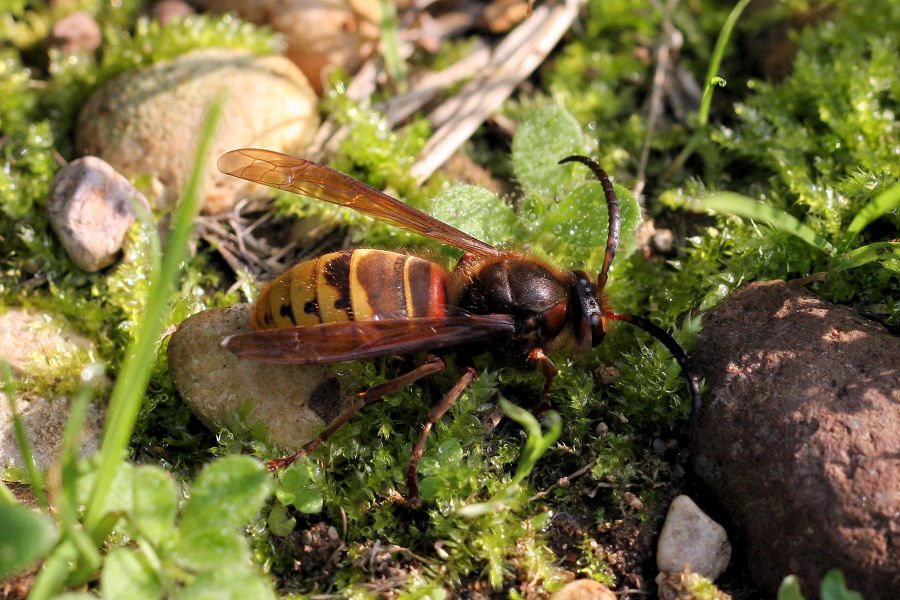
x: 352, y: 285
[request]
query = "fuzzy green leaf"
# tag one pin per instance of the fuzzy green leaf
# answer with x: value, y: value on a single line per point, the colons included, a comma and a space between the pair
x: 128, y: 574
x: 205, y: 549
x: 27, y: 536
x: 236, y: 582
x: 226, y: 495
x: 120, y: 497
x: 581, y: 217
x: 155, y: 503
x: 547, y: 136
x: 477, y: 211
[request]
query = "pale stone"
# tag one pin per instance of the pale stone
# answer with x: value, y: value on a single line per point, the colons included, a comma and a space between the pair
x: 690, y: 539
x: 286, y: 404
x: 146, y: 123
x: 584, y: 589
x: 37, y: 344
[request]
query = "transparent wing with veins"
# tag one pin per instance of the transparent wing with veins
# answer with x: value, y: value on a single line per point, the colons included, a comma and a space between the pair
x: 307, y: 178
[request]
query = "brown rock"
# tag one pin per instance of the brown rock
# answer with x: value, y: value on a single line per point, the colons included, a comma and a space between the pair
x: 167, y: 11
x: 798, y: 439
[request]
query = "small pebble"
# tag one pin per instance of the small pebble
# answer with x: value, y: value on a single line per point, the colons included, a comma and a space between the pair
x: 663, y: 240
x: 77, y: 32
x: 690, y: 539
x: 91, y: 209
x: 584, y: 589
x: 167, y: 11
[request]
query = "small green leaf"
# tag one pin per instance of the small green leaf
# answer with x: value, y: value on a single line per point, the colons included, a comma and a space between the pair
x: 790, y: 589
x: 128, y: 574
x: 234, y: 583
x: 279, y: 521
x: 155, y: 503
x: 833, y: 587
x: 227, y: 494
x: 294, y: 488
x: 308, y: 501
x: 547, y: 136
x: 27, y: 536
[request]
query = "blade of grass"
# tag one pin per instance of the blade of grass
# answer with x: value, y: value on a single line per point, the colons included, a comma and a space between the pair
x: 883, y: 202
x: 730, y: 203
x: 866, y: 254
x: 712, y: 81
x: 538, y: 442
x: 54, y: 571
x: 6, y: 495
x: 64, y: 492
x: 35, y: 477
x: 390, y: 42
x: 712, y: 78
x: 127, y: 394
x: 535, y: 447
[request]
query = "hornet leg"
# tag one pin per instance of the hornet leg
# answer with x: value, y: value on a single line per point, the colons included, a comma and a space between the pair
x: 436, y: 412
x: 433, y: 365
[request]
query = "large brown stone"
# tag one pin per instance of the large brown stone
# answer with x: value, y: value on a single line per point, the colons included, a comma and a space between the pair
x: 799, y: 437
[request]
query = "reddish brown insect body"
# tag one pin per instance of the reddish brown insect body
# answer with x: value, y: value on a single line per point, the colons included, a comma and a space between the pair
x: 362, y: 304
